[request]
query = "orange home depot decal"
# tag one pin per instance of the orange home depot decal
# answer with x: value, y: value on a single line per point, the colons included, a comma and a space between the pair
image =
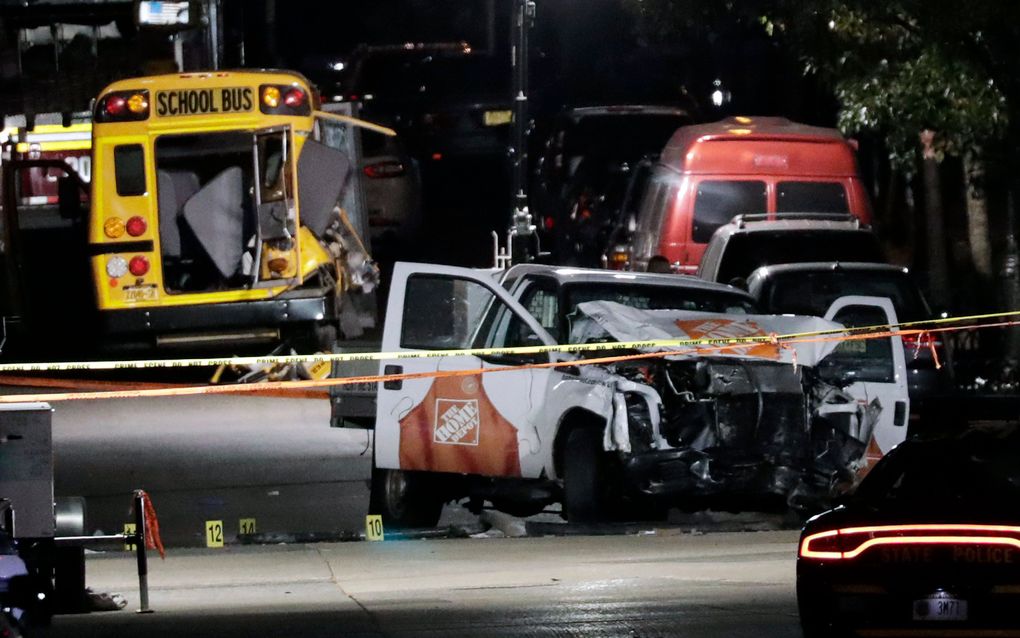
x: 456, y: 428
x: 730, y: 329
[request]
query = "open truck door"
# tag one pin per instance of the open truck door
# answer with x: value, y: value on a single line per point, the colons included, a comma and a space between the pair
x: 872, y: 370
x: 467, y: 417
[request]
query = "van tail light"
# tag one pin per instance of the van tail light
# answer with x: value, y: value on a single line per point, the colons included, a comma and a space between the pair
x: 548, y: 222
x: 619, y: 258
x: 382, y: 170
x: 139, y: 265
x: 851, y: 542
x: 919, y: 347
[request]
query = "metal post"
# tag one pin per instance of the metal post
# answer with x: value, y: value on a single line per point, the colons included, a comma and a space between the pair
x: 521, y: 230
x: 143, y: 565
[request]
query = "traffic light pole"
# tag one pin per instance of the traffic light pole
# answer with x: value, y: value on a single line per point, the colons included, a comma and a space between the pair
x: 522, y: 230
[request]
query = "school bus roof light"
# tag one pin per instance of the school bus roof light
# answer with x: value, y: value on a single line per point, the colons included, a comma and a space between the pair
x: 271, y: 96
x: 294, y: 98
x: 123, y: 106
x: 138, y: 104
x: 284, y: 99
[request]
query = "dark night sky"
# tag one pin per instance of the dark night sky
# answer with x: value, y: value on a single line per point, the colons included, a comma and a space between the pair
x: 584, y: 51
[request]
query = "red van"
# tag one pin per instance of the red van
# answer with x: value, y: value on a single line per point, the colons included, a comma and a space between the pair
x: 709, y: 173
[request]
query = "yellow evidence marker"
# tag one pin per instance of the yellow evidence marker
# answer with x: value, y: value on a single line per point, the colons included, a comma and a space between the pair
x: 129, y: 528
x: 247, y: 525
x: 214, y: 533
x: 373, y: 527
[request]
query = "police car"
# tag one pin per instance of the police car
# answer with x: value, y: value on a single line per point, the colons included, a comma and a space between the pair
x: 929, y: 544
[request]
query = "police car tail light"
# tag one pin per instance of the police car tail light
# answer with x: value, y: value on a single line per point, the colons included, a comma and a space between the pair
x: 850, y: 542
x: 123, y: 106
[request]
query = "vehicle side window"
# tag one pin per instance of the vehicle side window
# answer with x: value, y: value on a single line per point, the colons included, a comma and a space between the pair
x: 657, y: 200
x: 129, y: 169
x: 718, y: 201
x: 863, y: 359
x: 822, y: 197
x: 444, y: 312
x: 543, y: 304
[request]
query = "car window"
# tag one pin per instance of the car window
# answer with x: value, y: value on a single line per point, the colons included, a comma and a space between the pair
x: 442, y: 312
x: 657, y: 200
x: 745, y: 252
x: 811, y: 293
x: 542, y: 302
x: 815, y: 197
x: 719, y: 201
x: 860, y: 359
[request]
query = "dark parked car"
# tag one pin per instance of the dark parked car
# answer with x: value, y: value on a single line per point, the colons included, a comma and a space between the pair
x: 748, y: 242
x: 929, y: 544
x: 809, y: 288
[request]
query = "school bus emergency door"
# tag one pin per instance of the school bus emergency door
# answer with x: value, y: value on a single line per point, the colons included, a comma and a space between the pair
x: 198, y: 228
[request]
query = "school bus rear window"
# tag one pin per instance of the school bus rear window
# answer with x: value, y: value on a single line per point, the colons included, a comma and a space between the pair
x: 129, y: 169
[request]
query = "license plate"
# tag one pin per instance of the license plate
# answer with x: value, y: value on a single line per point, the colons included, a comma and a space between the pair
x: 497, y: 118
x: 140, y: 293
x: 940, y: 606
x: 204, y: 101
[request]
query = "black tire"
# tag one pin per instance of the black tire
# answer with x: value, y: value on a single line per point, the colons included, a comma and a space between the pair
x: 583, y: 465
x: 405, y: 500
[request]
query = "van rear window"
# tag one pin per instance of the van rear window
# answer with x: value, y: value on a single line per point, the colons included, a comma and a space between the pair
x: 811, y: 197
x: 718, y: 202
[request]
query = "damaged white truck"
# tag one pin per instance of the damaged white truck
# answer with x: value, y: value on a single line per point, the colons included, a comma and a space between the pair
x: 765, y: 425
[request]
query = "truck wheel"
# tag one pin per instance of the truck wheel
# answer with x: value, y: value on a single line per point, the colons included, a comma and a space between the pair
x: 404, y: 499
x: 582, y: 476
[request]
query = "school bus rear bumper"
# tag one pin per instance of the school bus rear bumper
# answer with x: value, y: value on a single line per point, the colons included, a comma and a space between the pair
x: 269, y: 313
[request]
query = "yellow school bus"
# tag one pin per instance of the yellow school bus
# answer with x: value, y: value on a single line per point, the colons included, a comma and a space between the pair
x: 217, y: 211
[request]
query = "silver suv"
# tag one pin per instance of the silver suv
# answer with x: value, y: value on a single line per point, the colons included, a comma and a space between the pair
x: 751, y: 241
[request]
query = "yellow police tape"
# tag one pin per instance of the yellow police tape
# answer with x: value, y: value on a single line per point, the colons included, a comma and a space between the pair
x: 862, y: 332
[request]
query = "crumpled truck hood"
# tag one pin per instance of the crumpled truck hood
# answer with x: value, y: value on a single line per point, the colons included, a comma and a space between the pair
x: 596, y: 320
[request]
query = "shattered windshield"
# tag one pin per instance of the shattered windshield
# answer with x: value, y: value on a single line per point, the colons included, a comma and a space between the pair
x: 657, y: 298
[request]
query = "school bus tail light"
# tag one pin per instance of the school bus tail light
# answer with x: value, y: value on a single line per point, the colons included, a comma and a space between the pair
x: 138, y: 265
x: 123, y: 106
x: 116, y: 267
x: 282, y: 99
x: 136, y: 226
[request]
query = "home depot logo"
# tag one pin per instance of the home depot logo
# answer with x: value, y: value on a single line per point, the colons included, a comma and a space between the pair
x: 724, y: 329
x: 457, y: 422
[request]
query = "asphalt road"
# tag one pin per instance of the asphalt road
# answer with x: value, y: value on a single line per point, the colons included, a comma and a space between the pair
x: 712, y: 585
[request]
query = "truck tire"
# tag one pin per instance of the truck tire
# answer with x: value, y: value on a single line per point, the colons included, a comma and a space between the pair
x: 583, y: 465
x: 404, y: 499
